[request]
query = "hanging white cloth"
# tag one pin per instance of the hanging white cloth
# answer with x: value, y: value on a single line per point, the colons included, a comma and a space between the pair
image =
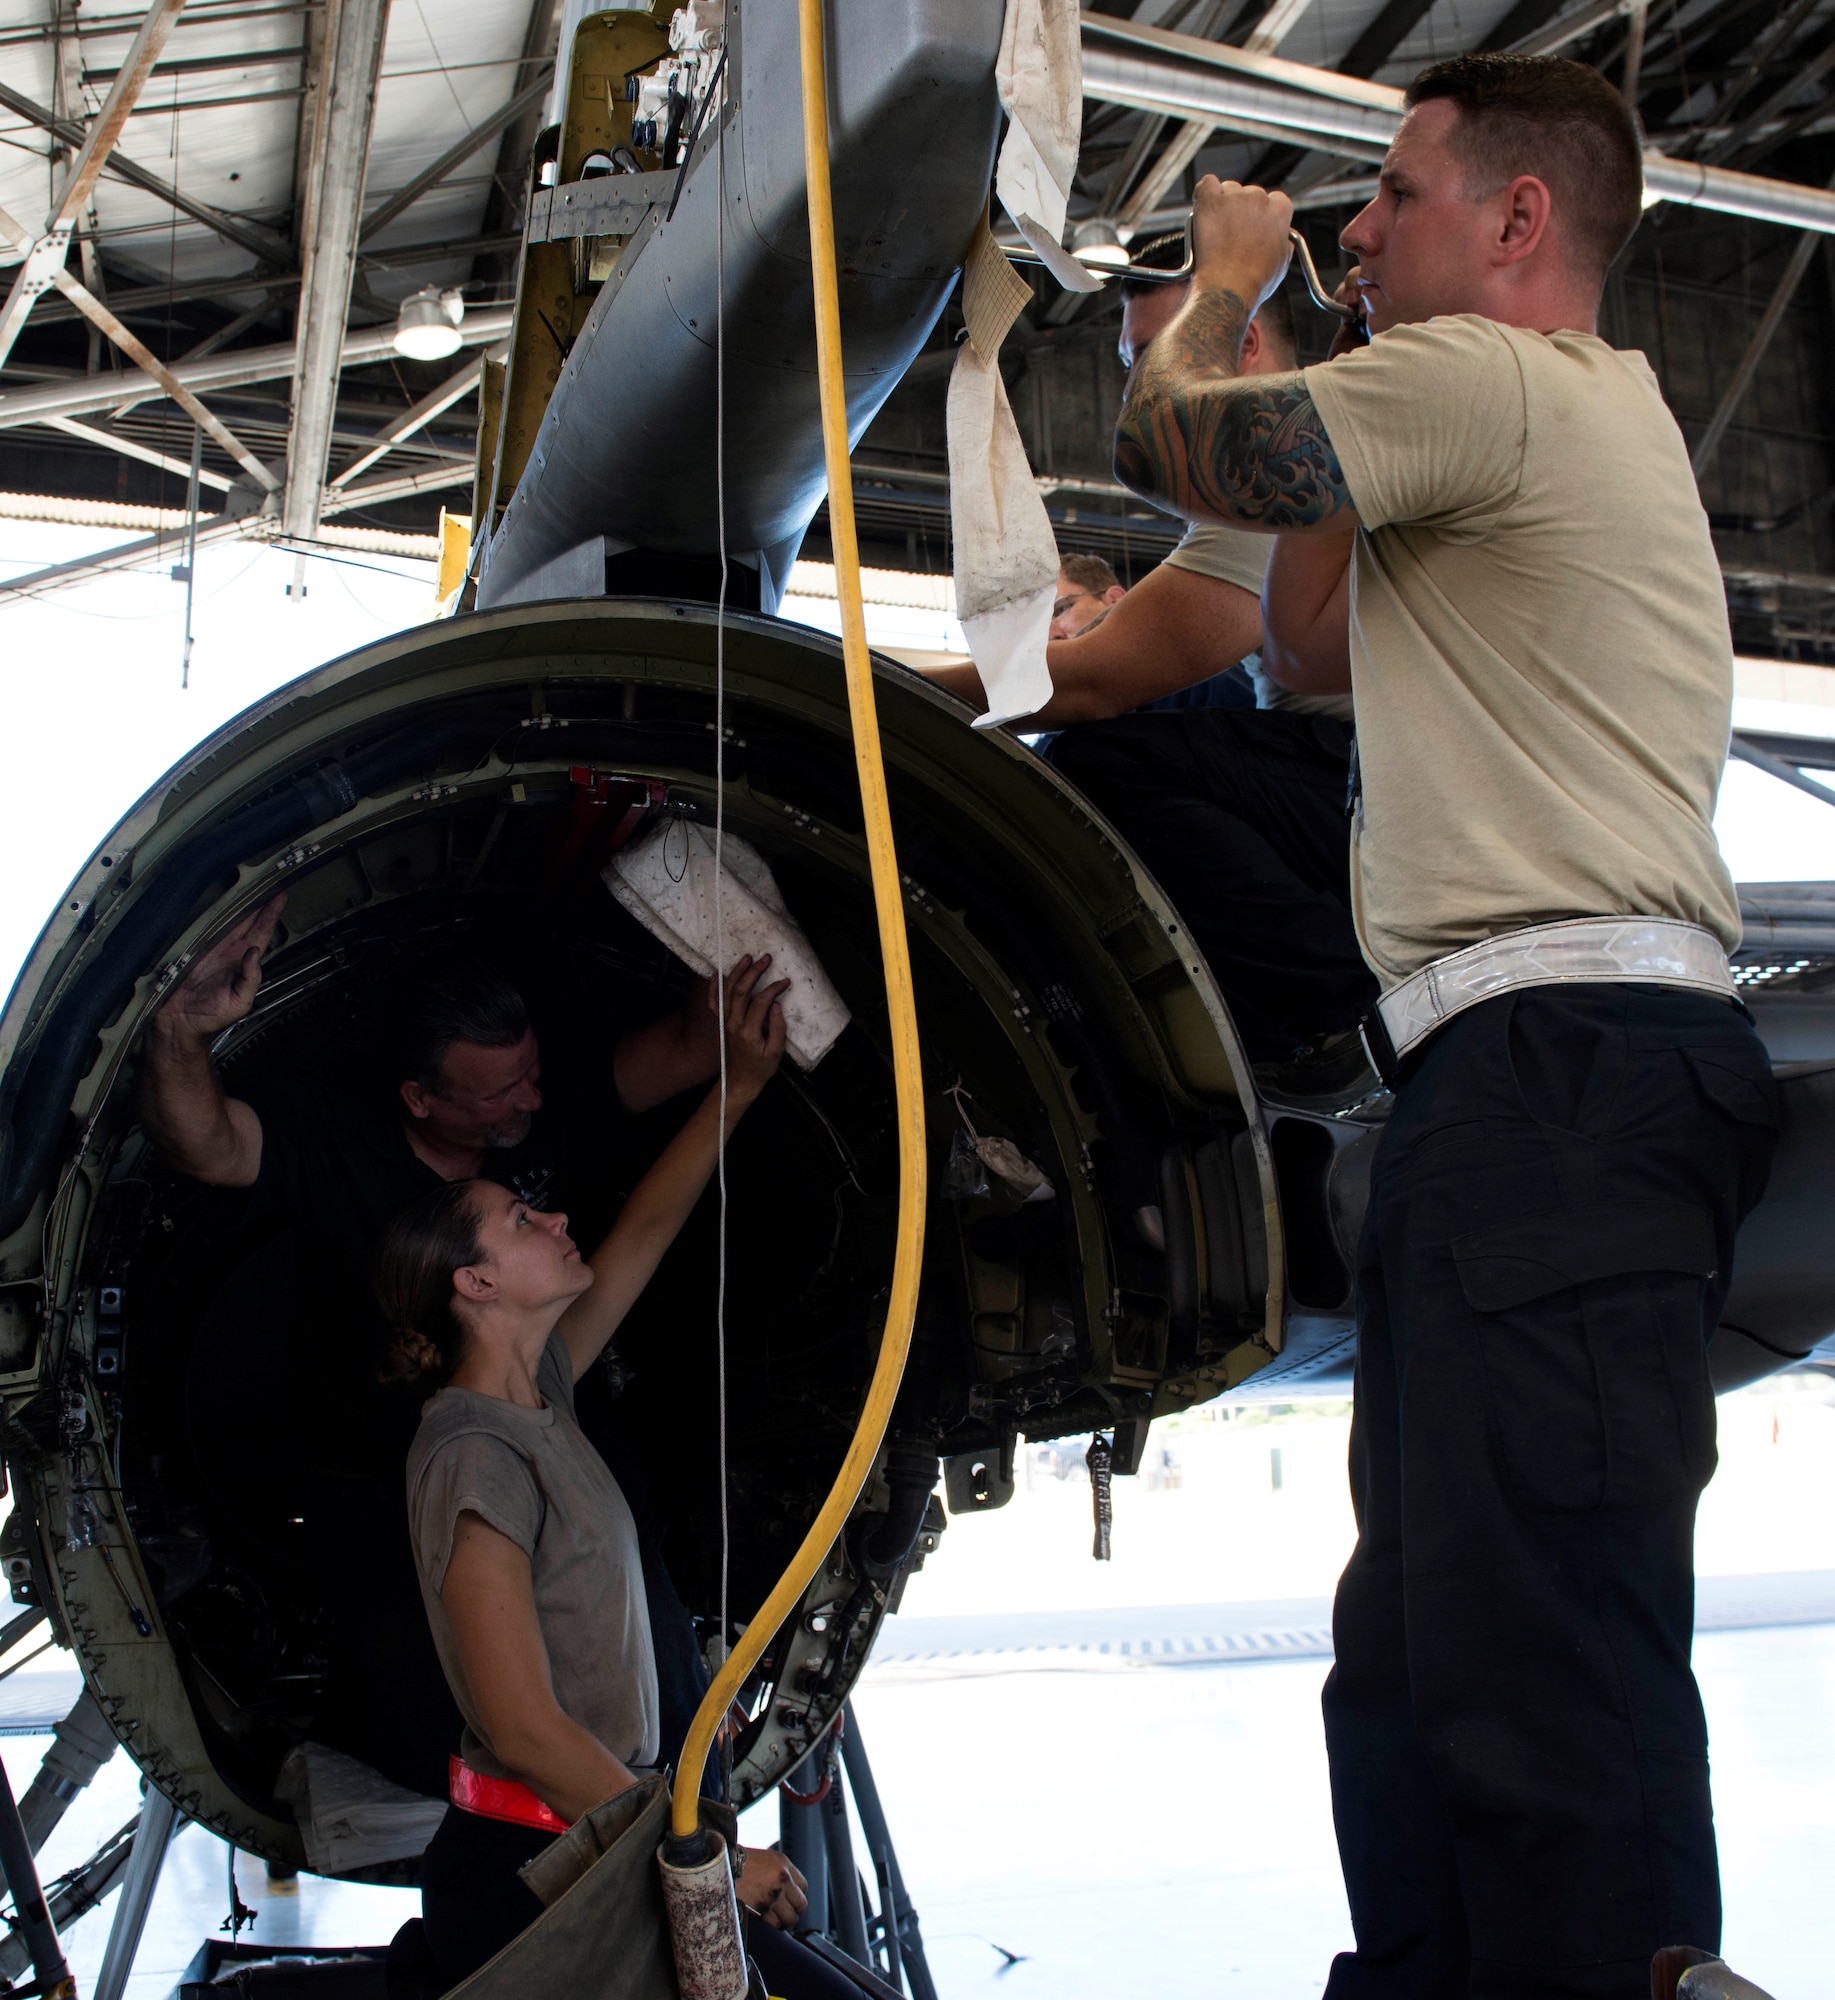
x: 1039, y: 74
x: 1006, y: 557
x: 668, y: 882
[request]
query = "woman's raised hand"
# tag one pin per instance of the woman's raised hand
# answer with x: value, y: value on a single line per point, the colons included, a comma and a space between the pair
x: 754, y: 1029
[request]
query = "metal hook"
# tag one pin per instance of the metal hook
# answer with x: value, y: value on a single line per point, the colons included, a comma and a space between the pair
x: 1309, y: 273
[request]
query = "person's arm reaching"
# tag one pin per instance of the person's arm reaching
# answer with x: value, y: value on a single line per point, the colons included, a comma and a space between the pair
x: 1306, y: 613
x: 488, y: 1594
x: 660, y: 1203
x: 1172, y: 630
x: 213, y: 1138
x: 1203, y: 441
x: 663, y: 1058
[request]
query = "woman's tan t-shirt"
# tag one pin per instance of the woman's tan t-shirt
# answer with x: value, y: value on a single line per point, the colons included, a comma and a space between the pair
x: 532, y: 1475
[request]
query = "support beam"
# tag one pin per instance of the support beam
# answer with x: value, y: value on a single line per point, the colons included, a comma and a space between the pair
x: 1758, y: 57
x: 1749, y: 127
x: 144, y: 453
x: 81, y: 395
x: 354, y: 35
x: 1391, y: 27
x: 236, y: 229
x: 30, y: 1910
x: 1634, y: 51
x: 46, y: 255
x: 137, y: 350
x: 1151, y: 70
x: 458, y: 384
x: 105, y: 562
x: 497, y: 123
x: 156, y: 298
x: 405, y: 486
x: 159, y: 1821
x: 503, y: 207
x: 1544, y: 41
x: 78, y: 1894
x: 1708, y: 444
x: 158, y: 548
x: 1191, y: 138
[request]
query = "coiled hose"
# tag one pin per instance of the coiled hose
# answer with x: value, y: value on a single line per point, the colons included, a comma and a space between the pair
x: 901, y: 1007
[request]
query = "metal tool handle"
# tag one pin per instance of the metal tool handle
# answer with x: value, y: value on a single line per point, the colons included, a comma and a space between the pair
x: 1309, y: 273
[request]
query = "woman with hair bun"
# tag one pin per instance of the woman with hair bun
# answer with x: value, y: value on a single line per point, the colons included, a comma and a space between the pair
x: 526, y: 1549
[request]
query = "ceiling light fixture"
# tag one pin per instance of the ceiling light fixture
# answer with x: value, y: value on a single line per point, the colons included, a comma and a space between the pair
x: 1097, y: 245
x: 427, y: 328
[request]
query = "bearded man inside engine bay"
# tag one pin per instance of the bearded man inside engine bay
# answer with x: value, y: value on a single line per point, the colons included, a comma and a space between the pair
x: 457, y: 1094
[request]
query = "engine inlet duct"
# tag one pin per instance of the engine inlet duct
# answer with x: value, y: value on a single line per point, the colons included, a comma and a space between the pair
x: 614, y: 480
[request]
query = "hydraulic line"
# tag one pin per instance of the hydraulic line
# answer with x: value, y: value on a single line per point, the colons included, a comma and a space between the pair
x: 901, y: 1006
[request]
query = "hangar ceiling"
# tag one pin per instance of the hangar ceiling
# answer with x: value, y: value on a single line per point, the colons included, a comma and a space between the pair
x: 250, y: 189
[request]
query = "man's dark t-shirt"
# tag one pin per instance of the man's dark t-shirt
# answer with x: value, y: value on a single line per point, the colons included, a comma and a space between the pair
x: 337, y: 1168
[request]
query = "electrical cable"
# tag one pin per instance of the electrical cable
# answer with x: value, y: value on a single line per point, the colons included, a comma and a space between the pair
x: 901, y: 1008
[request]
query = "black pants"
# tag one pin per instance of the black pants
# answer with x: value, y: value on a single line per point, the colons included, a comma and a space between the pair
x: 473, y: 1903
x: 399, y: 1715
x: 1518, y: 1751
x: 1239, y: 815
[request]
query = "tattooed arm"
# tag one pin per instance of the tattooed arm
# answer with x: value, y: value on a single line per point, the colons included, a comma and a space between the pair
x: 1199, y: 438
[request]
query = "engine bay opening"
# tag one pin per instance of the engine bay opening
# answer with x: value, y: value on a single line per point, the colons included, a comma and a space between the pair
x: 462, y: 791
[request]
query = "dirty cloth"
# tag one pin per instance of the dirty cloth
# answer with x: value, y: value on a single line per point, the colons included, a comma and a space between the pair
x: 1039, y: 74
x: 1006, y: 556
x: 350, y: 1816
x: 667, y: 881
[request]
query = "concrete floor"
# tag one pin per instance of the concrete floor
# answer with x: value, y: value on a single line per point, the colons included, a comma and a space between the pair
x: 1124, y: 1826
x: 1157, y: 1818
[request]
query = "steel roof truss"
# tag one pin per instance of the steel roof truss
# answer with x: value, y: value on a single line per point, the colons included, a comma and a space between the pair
x: 350, y: 66
x: 45, y: 256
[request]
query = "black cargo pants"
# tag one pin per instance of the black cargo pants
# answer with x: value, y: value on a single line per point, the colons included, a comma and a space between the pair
x: 1518, y: 1751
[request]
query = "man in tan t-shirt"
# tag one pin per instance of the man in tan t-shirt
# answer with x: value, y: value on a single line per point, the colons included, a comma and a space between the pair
x: 1490, y: 530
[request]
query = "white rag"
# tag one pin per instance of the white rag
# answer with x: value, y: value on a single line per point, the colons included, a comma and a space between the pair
x: 667, y: 880
x: 1039, y: 74
x: 1006, y: 557
x: 350, y: 1816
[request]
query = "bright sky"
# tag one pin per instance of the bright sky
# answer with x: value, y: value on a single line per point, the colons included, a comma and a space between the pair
x: 92, y: 713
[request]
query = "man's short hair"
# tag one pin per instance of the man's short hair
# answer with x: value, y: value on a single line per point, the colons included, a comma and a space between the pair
x: 447, y: 1000
x: 1167, y: 253
x: 1555, y: 119
x: 1089, y: 573
x: 1159, y: 253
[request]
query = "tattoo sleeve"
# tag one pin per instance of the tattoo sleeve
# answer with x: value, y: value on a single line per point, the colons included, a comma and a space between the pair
x: 1197, y: 437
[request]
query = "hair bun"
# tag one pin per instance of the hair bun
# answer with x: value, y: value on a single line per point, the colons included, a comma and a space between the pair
x: 411, y: 1357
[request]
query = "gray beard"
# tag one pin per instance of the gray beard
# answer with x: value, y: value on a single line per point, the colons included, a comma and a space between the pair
x: 500, y: 1138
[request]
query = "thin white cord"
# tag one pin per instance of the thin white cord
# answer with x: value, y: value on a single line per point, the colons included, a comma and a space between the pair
x: 720, y: 807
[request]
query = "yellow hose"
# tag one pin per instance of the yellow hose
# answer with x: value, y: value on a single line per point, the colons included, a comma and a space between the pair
x: 901, y: 1006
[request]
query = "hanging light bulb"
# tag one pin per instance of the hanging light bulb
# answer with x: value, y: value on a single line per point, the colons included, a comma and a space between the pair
x: 427, y: 328
x: 1097, y: 245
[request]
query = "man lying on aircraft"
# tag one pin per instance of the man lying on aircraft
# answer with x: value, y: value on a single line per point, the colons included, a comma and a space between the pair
x: 463, y: 1100
x: 1238, y: 810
